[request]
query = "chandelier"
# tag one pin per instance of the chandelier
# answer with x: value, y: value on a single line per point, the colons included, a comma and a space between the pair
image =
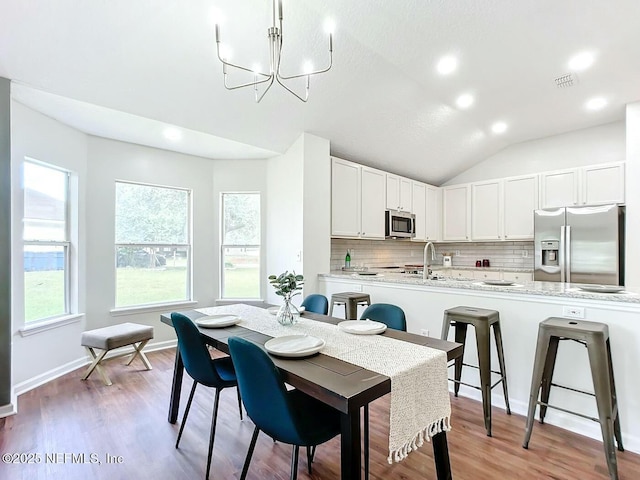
x: 274, y: 34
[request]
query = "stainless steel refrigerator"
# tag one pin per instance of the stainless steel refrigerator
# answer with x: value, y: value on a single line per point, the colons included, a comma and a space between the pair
x: 580, y: 245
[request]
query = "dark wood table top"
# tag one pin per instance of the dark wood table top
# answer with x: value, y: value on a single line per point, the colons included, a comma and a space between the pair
x: 344, y: 386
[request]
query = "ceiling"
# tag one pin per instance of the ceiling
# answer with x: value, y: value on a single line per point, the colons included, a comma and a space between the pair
x: 125, y: 70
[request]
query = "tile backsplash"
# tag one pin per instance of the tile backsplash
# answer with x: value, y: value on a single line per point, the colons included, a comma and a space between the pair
x: 383, y: 253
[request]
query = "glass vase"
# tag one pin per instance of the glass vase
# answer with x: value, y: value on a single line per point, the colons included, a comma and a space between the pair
x: 288, y: 314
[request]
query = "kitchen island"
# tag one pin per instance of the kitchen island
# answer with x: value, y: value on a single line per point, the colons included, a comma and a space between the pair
x: 522, y: 307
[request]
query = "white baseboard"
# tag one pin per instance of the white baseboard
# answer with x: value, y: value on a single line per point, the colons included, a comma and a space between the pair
x: 560, y: 419
x: 52, y: 374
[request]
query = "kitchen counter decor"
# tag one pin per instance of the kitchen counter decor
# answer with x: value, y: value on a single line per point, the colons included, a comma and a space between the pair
x: 287, y: 286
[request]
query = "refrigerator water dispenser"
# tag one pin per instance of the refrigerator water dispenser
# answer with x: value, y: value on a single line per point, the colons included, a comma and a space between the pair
x: 550, y: 252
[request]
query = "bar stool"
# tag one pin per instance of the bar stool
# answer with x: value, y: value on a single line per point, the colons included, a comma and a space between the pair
x: 594, y: 336
x: 350, y: 300
x: 482, y: 320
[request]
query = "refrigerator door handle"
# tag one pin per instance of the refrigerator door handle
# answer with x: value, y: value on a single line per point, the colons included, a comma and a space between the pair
x: 561, y: 259
x: 568, y: 252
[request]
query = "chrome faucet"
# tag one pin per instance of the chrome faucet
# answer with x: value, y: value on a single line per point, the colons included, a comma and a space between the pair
x: 426, y: 270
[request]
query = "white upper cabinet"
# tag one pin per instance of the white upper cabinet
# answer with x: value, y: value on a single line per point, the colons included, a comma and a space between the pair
x: 372, y: 203
x: 603, y: 184
x: 559, y: 188
x: 456, y: 207
x: 419, y: 203
x: 345, y: 198
x: 433, y: 221
x: 590, y: 185
x: 486, y: 210
x: 398, y: 193
x: 520, y: 200
x: 357, y: 200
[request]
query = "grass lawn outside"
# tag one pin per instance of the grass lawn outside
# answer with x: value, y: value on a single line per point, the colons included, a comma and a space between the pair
x: 43, y: 294
x: 242, y: 282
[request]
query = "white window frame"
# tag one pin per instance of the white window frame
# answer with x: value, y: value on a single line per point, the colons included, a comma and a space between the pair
x: 224, y: 245
x: 65, y: 244
x: 188, y: 246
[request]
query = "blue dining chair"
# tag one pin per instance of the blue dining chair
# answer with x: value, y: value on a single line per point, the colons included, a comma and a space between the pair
x: 218, y: 373
x: 316, y: 303
x: 291, y: 417
x: 393, y: 317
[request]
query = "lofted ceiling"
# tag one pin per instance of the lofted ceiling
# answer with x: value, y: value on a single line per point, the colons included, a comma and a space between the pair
x: 125, y: 69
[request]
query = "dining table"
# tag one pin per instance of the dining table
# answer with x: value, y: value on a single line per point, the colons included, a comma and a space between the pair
x: 340, y: 384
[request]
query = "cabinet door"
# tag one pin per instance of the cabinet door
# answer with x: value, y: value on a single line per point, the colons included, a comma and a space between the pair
x: 405, y: 195
x: 393, y: 192
x: 603, y: 184
x: 486, y: 275
x: 345, y: 198
x: 372, y: 202
x: 433, y: 222
x: 419, y: 209
x: 486, y: 210
x: 455, y: 218
x: 559, y: 189
x: 520, y: 200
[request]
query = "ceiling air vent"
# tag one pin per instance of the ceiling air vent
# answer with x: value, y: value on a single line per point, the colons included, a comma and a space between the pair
x: 566, y: 80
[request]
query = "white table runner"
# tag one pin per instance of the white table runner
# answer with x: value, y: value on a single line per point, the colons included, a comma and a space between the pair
x: 420, y: 405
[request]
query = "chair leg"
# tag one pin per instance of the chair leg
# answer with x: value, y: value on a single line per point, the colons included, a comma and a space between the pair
x: 483, y: 344
x: 212, y: 437
x: 138, y: 352
x: 460, y: 337
x: 294, y: 462
x: 366, y: 442
x: 497, y: 333
x: 536, y: 379
x: 247, y: 460
x: 96, y: 365
x: 186, y: 412
x: 547, y: 375
x: 616, y: 422
x: 239, y: 402
x: 309, y: 458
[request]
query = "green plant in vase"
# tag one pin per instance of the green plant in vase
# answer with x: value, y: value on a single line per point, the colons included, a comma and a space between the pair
x: 287, y: 286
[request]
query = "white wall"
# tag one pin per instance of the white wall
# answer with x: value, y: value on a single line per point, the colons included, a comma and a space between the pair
x: 632, y: 193
x: 39, y: 137
x: 601, y: 144
x: 284, y: 214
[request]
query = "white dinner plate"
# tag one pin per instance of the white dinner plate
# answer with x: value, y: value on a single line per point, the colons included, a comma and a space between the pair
x: 499, y: 283
x: 601, y: 288
x: 274, y: 310
x: 294, y: 345
x: 217, y: 321
x: 362, y: 327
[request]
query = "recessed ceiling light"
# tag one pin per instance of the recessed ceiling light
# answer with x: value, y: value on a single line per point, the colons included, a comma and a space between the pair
x: 581, y: 61
x: 172, y: 133
x: 465, y: 100
x: 447, y: 65
x: 499, y: 127
x: 597, y: 103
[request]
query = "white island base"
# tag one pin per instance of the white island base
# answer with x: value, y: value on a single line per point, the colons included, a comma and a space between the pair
x: 521, y: 310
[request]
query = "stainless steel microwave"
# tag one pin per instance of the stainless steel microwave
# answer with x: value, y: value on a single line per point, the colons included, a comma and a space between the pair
x: 399, y: 224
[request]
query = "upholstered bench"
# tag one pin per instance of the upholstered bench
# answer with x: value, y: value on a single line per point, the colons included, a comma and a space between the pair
x: 116, y: 336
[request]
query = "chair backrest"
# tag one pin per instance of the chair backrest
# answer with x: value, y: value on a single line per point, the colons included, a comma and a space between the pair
x: 391, y: 315
x: 263, y: 391
x: 316, y: 303
x: 193, y: 351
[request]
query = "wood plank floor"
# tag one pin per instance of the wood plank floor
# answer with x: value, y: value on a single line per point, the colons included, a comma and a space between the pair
x: 125, y: 427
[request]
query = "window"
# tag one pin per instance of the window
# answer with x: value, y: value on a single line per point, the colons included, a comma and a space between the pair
x: 46, y: 242
x: 240, y: 245
x: 153, y: 244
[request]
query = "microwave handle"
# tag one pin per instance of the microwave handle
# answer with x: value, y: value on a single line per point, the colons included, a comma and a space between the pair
x: 413, y: 225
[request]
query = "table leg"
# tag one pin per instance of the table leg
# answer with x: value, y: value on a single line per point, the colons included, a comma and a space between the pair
x: 350, y: 450
x: 176, y: 388
x: 441, y: 456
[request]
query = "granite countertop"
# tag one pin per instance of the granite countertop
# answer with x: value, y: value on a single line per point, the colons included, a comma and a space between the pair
x: 552, y: 289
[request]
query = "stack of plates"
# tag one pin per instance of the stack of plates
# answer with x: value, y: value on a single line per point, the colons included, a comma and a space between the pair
x: 362, y: 327
x: 294, y: 345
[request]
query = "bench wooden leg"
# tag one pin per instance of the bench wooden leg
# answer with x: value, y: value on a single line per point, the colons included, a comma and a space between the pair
x: 95, y: 365
x: 140, y: 353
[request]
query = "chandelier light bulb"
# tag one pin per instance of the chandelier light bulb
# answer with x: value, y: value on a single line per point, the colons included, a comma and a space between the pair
x: 307, y: 67
x: 329, y: 26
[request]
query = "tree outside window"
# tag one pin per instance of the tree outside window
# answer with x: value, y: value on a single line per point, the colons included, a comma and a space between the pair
x: 153, y: 244
x: 240, y: 249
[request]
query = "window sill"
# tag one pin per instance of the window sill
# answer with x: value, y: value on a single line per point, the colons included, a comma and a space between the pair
x: 45, y: 325
x: 158, y: 307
